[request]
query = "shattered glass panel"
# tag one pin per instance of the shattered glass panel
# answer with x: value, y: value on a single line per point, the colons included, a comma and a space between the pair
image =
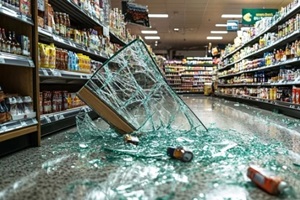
x: 131, y: 84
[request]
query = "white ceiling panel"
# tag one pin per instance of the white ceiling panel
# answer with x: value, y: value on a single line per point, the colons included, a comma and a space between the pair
x: 195, y: 18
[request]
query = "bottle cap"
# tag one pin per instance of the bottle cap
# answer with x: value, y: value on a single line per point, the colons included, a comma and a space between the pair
x: 282, y: 185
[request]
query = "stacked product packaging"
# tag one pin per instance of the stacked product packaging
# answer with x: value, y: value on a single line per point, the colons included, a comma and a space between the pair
x: 15, y: 107
x: 56, y: 101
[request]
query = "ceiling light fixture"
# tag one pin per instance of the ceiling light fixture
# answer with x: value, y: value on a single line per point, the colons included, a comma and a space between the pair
x: 152, y: 38
x: 148, y: 32
x: 221, y: 25
x: 158, y: 15
x: 214, y: 37
x: 218, y: 32
x: 225, y: 25
x: 231, y: 16
x: 176, y: 29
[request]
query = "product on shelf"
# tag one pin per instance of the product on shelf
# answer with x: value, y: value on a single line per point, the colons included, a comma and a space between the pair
x: 57, y: 58
x: 189, y: 75
x: 15, y: 107
x: 56, y: 101
x: 22, y: 6
x: 10, y: 43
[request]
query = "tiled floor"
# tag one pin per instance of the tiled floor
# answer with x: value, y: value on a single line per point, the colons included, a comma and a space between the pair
x: 68, y: 166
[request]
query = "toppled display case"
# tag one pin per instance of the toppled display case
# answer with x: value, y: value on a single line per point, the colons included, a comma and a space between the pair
x: 130, y: 93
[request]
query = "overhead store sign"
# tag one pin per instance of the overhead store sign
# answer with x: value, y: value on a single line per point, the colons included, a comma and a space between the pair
x: 252, y: 15
x: 232, y: 25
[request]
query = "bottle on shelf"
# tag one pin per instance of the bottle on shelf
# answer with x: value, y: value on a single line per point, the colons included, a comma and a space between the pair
x: 17, y: 44
x: 8, y: 43
x: 13, y: 48
x: 4, y: 44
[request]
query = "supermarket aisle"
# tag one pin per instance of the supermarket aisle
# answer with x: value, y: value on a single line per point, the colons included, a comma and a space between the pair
x: 69, y: 167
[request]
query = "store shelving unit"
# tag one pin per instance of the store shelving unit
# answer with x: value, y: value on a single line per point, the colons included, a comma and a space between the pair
x: 54, y: 79
x: 189, y: 76
x: 19, y: 75
x: 262, y: 84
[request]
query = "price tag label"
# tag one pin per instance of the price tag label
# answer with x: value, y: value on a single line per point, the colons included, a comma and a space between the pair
x: 23, y: 123
x: 45, y: 72
x: 106, y: 31
x: 2, y: 61
x: 24, y: 17
x: 48, y: 119
x: 31, y: 64
x: 55, y: 38
x: 3, y: 128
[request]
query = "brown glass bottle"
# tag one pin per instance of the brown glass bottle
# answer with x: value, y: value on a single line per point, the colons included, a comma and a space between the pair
x: 7, y: 45
x: 17, y: 44
x: 13, y: 48
x: 2, y: 42
x: 57, y: 22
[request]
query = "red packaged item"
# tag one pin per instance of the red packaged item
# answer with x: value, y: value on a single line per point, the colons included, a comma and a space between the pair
x: 297, y: 97
x: 294, y: 94
x: 56, y: 101
x: 47, y: 104
x: 266, y: 181
x: 65, y: 100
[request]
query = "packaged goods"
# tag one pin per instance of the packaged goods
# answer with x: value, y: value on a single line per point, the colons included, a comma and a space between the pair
x: 25, y: 7
x: 266, y: 181
x: 65, y: 100
x: 57, y: 101
x: 43, y: 56
x: 51, y: 51
x: 47, y: 107
x: 25, y: 45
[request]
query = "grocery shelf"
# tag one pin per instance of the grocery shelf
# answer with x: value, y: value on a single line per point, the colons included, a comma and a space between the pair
x: 82, y: 17
x: 15, y: 60
x: 48, y: 76
x: 14, y: 128
x: 261, y: 84
x: 16, y: 15
x: 293, y: 61
x: 70, y: 45
x: 285, y: 108
x: 268, y: 29
x: 54, y: 122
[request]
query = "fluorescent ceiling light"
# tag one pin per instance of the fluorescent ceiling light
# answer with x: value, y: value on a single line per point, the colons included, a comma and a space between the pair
x: 221, y: 25
x: 219, y: 32
x: 148, y: 32
x: 214, y: 37
x: 158, y: 15
x: 152, y: 37
x: 176, y: 29
x: 231, y: 16
x: 225, y: 25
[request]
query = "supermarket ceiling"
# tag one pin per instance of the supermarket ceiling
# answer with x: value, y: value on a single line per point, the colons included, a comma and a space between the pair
x: 195, y: 20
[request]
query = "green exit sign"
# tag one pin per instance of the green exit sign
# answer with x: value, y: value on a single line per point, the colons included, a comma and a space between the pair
x: 252, y: 15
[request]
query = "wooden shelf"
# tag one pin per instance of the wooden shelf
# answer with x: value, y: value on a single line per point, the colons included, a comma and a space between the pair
x: 18, y: 132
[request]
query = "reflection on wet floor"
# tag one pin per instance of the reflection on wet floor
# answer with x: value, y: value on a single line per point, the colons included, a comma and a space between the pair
x: 71, y: 165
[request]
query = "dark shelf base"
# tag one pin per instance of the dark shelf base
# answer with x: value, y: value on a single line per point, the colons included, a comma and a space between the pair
x: 264, y: 105
x: 63, y: 124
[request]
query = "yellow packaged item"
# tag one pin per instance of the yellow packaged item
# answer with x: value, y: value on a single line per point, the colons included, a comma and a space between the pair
x: 52, y: 55
x: 44, y: 56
